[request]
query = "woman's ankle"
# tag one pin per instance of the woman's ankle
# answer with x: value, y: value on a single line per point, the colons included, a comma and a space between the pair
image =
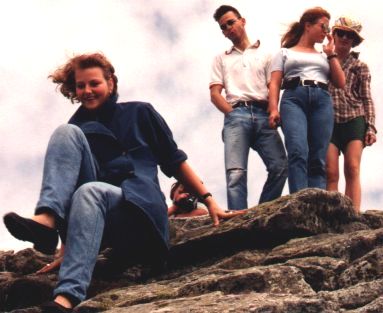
x: 64, y: 301
x: 45, y: 219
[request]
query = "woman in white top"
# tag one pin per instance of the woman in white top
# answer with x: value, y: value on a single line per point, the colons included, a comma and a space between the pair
x: 306, y: 108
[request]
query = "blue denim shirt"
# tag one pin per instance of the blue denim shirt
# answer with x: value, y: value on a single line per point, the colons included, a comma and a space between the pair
x: 129, y: 140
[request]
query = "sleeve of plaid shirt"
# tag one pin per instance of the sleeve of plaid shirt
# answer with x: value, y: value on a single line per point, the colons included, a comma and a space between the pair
x: 365, y: 94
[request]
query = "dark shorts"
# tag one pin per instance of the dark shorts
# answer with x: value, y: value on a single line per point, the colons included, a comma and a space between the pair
x: 345, y: 132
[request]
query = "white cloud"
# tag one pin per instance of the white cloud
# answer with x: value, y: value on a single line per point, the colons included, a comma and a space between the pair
x: 162, y: 51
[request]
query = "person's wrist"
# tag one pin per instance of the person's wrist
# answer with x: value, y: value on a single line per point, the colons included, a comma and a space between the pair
x: 205, y: 196
x: 332, y: 55
x: 229, y: 110
x: 208, y: 201
x: 272, y: 108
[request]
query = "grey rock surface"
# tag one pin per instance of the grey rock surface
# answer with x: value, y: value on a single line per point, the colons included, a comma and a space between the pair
x: 306, y: 252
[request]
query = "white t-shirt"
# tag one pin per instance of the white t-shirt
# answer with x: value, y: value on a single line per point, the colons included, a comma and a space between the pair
x: 306, y: 65
x: 243, y: 74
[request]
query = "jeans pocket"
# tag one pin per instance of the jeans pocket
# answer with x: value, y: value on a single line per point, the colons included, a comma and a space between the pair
x: 227, y: 114
x: 289, y: 94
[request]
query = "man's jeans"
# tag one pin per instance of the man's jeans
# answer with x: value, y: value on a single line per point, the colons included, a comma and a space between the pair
x: 70, y: 190
x: 244, y: 128
x: 307, y: 123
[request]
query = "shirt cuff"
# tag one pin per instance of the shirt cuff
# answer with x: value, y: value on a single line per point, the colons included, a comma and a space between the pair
x: 170, y: 168
x: 371, y: 129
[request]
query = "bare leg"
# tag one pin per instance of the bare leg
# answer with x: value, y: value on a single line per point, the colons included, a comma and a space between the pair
x: 332, y: 167
x: 352, y: 158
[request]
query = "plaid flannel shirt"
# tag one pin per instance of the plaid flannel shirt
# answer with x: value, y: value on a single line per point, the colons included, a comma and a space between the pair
x: 355, y: 99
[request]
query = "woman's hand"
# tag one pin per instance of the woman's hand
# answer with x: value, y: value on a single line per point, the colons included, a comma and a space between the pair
x: 55, y: 264
x: 216, y: 212
x: 329, y: 48
x: 274, y: 119
x: 274, y: 90
x: 337, y: 76
x: 191, y: 181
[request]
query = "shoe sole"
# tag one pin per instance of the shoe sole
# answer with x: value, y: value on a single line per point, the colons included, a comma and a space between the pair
x: 19, y: 229
x: 16, y: 227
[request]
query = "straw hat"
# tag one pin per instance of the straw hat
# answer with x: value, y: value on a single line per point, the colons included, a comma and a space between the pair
x: 349, y: 24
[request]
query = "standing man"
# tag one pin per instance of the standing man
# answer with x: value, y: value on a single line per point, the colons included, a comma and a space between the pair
x: 354, y: 126
x: 243, y: 71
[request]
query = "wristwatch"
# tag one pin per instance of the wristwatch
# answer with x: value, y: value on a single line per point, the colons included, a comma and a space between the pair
x: 205, y: 196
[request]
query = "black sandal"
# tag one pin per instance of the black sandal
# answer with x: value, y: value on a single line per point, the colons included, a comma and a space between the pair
x: 54, y: 307
x: 44, y: 238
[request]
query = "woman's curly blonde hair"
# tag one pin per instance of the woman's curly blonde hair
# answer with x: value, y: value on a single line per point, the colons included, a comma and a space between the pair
x: 64, y: 76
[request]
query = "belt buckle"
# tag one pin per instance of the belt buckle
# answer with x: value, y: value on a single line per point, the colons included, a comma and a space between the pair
x: 309, y: 83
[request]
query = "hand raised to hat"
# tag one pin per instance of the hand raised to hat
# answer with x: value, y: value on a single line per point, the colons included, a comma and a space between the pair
x: 329, y: 48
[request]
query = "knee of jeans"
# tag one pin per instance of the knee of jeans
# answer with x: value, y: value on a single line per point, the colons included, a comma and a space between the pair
x: 279, y: 170
x: 67, y: 131
x: 88, y: 201
x: 90, y: 192
x: 298, y: 155
x: 316, y: 167
x: 234, y: 175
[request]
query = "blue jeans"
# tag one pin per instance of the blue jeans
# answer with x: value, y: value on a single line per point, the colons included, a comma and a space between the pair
x: 68, y: 164
x: 71, y: 191
x: 307, y: 123
x: 245, y: 128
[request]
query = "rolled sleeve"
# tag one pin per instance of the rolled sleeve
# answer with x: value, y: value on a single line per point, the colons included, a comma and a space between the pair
x: 365, y: 93
x: 160, y: 140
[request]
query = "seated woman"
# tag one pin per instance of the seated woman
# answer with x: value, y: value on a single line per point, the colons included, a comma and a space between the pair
x: 185, y: 204
x: 100, y: 186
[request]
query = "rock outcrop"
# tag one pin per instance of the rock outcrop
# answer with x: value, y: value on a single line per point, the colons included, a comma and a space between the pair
x: 306, y: 252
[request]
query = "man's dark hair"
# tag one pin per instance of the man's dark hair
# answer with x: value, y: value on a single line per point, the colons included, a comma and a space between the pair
x: 223, y: 9
x: 173, y: 189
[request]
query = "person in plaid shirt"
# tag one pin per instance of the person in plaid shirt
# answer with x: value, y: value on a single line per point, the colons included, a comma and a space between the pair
x: 354, y: 126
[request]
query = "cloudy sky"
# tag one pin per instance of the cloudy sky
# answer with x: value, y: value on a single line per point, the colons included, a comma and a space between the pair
x: 162, y: 51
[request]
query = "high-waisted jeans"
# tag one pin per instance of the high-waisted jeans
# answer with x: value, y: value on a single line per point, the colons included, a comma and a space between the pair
x: 307, y: 124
